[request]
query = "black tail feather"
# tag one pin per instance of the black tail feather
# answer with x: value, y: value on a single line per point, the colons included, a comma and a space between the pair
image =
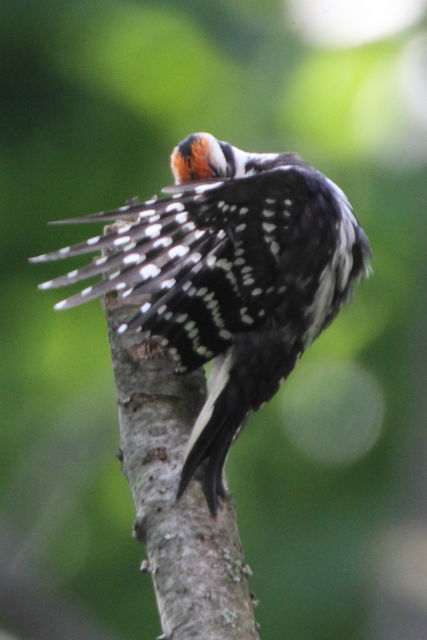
x: 259, y: 359
x: 211, y: 448
x: 213, y: 486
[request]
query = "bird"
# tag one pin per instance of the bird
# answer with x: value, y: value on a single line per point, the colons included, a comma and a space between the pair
x: 243, y: 261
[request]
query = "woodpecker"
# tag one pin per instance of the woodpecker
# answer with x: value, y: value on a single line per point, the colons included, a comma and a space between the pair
x: 247, y: 258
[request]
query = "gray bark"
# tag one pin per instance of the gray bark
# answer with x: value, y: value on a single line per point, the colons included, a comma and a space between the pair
x: 196, y: 561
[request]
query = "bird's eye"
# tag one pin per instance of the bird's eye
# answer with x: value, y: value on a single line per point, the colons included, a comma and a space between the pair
x: 215, y: 171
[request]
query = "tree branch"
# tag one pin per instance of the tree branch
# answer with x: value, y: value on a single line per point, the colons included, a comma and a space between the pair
x: 196, y: 561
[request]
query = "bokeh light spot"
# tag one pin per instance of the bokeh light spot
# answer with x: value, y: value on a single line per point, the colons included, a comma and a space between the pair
x: 335, y: 23
x: 333, y: 411
x: 401, y: 558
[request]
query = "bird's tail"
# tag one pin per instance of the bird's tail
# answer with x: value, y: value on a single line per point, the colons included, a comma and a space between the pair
x: 243, y: 378
x: 218, y: 423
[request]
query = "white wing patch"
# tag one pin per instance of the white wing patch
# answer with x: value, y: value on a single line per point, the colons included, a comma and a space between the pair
x: 217, y: 381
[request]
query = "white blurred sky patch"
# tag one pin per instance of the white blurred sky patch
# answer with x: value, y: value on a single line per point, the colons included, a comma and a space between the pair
x: 413, y: 78
x: 402, y: 563
x: 406, y: 144
x: 349, y: 23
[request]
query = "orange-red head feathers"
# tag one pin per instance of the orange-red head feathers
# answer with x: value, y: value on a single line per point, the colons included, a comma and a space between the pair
x: 198, y: 157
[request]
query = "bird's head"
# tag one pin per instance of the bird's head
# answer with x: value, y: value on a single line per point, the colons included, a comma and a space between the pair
x: 201, y: 156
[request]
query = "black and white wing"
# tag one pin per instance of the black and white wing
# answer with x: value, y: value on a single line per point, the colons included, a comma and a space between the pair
x: 208, y: 256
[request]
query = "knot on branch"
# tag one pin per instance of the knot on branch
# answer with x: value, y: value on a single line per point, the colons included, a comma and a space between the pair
x: 159, y: 453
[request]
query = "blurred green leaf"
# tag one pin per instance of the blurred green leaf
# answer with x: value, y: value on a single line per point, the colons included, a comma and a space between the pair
x: 335, y: 101
x: 158, y: 62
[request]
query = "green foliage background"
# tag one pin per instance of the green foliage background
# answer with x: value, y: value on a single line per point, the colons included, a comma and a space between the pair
x: 95, y: 94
